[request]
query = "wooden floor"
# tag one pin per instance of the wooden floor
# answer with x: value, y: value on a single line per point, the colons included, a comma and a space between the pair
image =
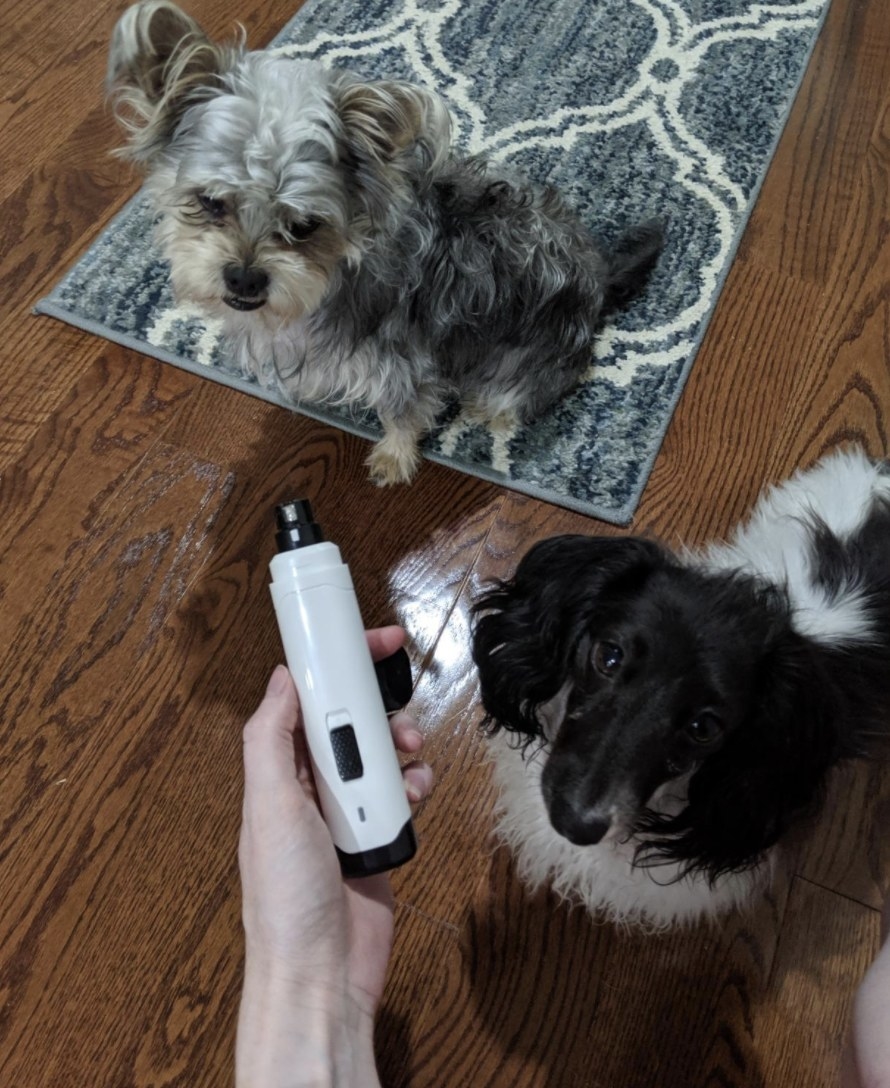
x: 136, y: 634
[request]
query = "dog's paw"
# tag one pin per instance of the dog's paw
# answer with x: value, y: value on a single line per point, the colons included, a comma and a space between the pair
x: 393, y: 461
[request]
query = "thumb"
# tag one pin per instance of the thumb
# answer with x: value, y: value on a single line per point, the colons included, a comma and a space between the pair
x: 269, y: 749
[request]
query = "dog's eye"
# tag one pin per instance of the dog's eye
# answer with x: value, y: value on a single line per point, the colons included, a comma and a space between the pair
x: 216, y: 209
x: 705, y: 729
x: 607, y: 658
x: 296, y: 230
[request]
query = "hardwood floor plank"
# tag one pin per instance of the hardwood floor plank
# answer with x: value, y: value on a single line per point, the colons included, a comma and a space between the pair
x: 52, y: 216
x: 115, y: 585
x: 79, y: 766
x: 498, y: 1008
x: 723, y: 444
x: 798, y: 223
x: 426, y: 982
x: 49, y: 360
x: 826, y: 946
x: 57, y: 498
x: 691, y: 998
x: 108, y: 420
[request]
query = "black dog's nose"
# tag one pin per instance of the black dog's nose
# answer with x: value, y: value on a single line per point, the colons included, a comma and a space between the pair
x: 584, y: 828
x: 245, y: 282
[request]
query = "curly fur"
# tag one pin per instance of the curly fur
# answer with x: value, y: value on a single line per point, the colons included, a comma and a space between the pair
x: 353, y: 257
x: 672, y: 717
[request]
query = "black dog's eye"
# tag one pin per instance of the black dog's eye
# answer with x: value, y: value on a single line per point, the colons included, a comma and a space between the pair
x: 216, y: 209
x: 607, y: 658
x: 705, y: 729
x: 297, y: 230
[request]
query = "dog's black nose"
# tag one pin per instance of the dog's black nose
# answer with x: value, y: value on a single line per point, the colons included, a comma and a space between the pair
x: 245, y: 282
x: 584, y: 828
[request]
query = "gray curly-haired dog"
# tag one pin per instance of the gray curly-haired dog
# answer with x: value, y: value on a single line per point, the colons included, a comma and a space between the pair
x: 354, y: 258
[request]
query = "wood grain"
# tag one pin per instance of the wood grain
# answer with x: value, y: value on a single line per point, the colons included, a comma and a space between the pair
x: 136, y: 635
x: 798, y: 225
x: 801, y: 1023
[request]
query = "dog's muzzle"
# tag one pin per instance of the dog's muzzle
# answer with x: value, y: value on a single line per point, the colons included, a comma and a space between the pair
x: 247, y: 285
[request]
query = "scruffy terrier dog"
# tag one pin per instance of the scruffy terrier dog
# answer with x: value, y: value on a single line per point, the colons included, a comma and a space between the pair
x: 353, y: 257
x: 673, y: 717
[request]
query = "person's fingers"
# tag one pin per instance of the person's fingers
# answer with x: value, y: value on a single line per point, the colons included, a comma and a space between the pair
x: 384, y: 641
x: 418, y: 778
x: 408, y: 738
x: 269, y: 737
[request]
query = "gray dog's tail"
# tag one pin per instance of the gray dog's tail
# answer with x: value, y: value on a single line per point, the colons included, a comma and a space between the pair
x: 632, y: 259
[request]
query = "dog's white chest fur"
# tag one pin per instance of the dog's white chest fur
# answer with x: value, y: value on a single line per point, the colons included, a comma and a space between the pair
x: 289, y: 357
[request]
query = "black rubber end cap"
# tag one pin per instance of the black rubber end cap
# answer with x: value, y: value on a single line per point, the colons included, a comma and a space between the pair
x: 369, y: 862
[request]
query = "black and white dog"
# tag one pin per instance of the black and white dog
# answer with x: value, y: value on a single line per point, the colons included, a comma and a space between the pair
x: 668, y: 718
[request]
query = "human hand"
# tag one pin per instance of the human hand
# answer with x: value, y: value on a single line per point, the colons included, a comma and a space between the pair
x: 317, y: 946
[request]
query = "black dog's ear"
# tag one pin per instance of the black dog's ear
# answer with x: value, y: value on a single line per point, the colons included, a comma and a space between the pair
x: 159, y: 63
x: 527, y: 629
x: 772, y: 770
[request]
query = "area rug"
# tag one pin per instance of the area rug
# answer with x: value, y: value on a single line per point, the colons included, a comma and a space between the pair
x: 634, y: 109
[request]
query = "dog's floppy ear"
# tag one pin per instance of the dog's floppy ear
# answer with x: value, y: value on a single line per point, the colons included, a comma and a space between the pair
x: 383, y: 119
x: 390, y: 129
x: 159, y: 63
x: 772, y: 770
x: 527, y: 629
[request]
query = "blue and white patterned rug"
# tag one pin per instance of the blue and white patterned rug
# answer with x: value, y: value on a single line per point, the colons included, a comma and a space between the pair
x: 633, y: 109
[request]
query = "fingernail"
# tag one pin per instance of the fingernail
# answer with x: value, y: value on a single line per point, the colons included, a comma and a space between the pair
x: 277, y: 681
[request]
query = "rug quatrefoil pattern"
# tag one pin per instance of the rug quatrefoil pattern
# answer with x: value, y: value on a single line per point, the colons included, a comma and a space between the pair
x: 635, y: 109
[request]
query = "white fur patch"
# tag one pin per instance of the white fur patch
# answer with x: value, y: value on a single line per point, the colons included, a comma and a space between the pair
x: 775, y: 542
